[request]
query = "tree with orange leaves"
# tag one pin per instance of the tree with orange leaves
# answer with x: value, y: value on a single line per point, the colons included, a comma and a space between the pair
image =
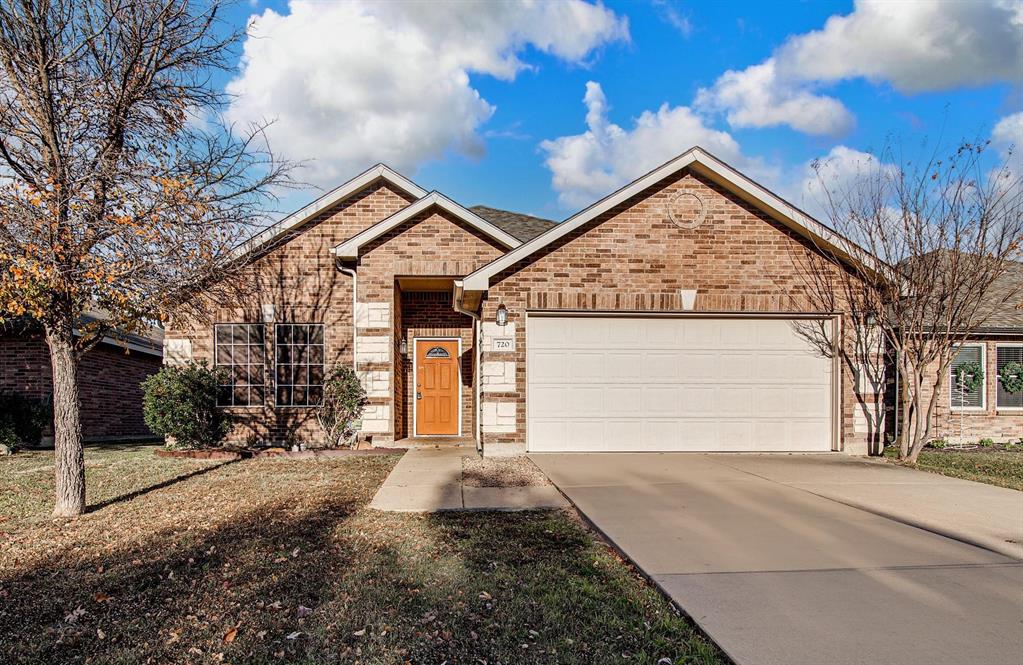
x: 120, y: 189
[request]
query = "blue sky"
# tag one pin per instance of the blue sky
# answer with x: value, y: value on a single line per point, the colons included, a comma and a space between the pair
x: 485, y: 102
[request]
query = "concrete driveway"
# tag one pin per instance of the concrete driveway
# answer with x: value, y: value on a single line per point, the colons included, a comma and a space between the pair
x: 775, y: 570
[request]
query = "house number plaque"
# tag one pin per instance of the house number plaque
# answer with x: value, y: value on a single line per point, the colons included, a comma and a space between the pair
x: 502, y: 344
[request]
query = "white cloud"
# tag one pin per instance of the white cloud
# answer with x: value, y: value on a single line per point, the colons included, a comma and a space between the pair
x: 586, y: 166
x: 350, y: 84
x: 838, y: 173
x: 674, y: 17
x: 1007, y: 138
x: 914, y: 46
x: 757, y: 97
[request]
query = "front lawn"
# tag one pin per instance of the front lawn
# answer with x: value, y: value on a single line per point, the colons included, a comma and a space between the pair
x: 994, y: 466
x: 269, y: 559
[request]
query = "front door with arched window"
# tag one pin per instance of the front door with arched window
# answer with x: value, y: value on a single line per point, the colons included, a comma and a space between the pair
x: 437, y: 393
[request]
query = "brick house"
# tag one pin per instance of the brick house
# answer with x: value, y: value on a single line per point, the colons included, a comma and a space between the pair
x: 663, y: 317
x: 110, y: 376
x: 988, y: 411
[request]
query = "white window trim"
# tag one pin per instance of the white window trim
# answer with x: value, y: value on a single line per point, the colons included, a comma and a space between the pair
x: 415, y: 382
x: 262, y: 404
x: 983, y: 388
x: 273, y: 372
x: 1005, y: 409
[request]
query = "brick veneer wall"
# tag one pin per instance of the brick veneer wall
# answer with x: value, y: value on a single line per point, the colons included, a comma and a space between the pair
x: 633, y: 258
x: 109, y: 383
x: 299, y: 277
x: 432, y: 244
x: 994, y: 423
x: 429, y: 314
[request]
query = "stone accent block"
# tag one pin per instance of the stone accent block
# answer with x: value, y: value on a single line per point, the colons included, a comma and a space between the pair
x: 498, y: 377
x: 177, y: 351
x: 376, y: 418
x: 492, y: 330
x: 374, y: 349
x: 376, y: 382
x: 373, y: 314
x: 498, y: 417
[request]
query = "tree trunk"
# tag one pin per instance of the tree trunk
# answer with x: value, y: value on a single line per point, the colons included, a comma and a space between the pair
x: 69, y: 460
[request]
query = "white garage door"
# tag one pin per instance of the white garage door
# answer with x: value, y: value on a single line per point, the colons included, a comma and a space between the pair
x: 658, y: 383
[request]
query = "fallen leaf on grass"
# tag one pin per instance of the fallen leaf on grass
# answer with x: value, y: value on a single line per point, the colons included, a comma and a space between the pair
x: 102, y: 597
x: 293, y: 636
x: 75, y: 615
x: 304, y: 611
x: 231, y: 634
x: 359, y: 633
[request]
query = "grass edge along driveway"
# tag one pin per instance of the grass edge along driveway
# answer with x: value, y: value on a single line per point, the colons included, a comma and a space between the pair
x: 269, y: 560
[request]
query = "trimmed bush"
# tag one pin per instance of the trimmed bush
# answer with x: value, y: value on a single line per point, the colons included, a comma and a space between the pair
x: 344, y: 399
x: 181, y: 402
x: 22, y: 420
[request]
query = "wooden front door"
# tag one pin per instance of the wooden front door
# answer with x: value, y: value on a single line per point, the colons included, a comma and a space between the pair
x: 437, y: 386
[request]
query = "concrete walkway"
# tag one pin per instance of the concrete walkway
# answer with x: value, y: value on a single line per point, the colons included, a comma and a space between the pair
x: 779, y: 574
x: 428, y: 480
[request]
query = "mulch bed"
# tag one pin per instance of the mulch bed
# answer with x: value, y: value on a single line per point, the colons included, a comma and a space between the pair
x: 248, y: 453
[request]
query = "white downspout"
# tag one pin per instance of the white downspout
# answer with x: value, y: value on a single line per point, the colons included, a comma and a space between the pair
x: 355, y: 316
x: 477, y: 342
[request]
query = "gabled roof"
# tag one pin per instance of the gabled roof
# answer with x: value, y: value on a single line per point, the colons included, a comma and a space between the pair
x: 523, y: 227
x: 702, y: 162
x: 349, y: 249
x: 354, y: 186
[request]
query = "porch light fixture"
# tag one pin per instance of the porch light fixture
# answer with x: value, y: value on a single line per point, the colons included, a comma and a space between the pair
x: 502, y: 315
x: 403, y: 347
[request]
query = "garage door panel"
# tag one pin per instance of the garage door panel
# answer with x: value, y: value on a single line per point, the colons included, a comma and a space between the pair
x: 586, y: 365
x: 547, y: 366
x: 662, y: 400
x: 634, y: 384
x: 732, y: 365
x: 661, y: 365
x: 625, y: 366
x: 548, y: 401
x: 585, y: 401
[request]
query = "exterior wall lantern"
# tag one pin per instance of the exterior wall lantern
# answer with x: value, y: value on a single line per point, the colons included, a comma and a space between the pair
x: 403, y: 347
x: 267, y: 310
x: 502, y: 315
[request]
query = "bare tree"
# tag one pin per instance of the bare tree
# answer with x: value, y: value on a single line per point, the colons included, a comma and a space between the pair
x: 930, y: 241
x: 119, y: 185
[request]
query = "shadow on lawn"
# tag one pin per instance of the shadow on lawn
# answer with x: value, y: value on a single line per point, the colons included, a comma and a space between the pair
x: 158, y: 486
x: 380, y: 588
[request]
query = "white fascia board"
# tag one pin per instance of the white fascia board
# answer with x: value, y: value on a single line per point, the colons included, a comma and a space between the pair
x: 340, y: 193
x: 706, y: 164
x: 349, y: 249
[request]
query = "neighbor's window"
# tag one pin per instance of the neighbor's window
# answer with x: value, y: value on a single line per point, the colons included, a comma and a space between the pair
x: 1006, y: 355
x: 970, y: 399
x: 299, y: 364
x: 239, y: 350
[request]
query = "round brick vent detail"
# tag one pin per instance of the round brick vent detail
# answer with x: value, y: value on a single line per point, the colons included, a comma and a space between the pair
x: 686, y: 210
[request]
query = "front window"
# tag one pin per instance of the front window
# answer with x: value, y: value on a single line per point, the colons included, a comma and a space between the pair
x: 1008, y: 363
x: 240, y: 351
x: 968, y: 394
x: 299, y: 354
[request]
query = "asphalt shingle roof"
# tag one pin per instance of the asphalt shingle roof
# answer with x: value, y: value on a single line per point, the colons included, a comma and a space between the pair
x: 1005, y: 301
x: 523, y: 227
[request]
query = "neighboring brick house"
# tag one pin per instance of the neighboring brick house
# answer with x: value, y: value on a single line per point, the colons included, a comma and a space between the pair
x: 109, y: 378
x: 663, y: 317
x: 989, y: 411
